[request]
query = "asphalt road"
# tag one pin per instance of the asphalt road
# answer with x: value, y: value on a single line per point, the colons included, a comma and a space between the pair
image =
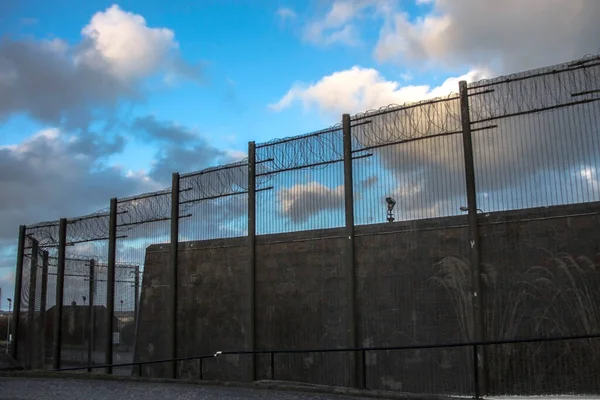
x: 71, y: 389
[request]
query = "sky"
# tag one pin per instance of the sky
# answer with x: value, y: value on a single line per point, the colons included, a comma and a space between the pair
x: 102, y: 99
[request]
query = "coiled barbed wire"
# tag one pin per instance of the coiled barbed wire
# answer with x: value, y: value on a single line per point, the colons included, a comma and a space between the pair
x: 139, y: 210
x: 394, y: 123
x: 227, y: 179
x: 46, y: 233
x: 535, y: 90
x: 495, y: 98
x: 317, y: 147
x: 212, y: 184
x: 80, y: 264
x: 88, y: 228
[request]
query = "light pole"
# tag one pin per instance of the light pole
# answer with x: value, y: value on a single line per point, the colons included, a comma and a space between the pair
x: 8, y: 328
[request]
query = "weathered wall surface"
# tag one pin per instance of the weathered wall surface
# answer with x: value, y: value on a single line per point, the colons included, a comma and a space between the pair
x: 154, y: 331
x: 214, y: 311
x: 302, y: 303
x: 540, y: 278
x: 401, y: 305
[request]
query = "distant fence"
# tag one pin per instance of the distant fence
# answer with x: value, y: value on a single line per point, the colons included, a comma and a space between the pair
x: 523, y: 142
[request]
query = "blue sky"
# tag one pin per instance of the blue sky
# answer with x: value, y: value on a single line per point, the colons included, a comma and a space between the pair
x: 101, y: 99
x: 251, y: 59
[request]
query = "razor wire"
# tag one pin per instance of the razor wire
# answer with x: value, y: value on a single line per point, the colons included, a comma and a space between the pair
x: 537, y: 90
x: 312, y: 150
x: 394, y: 124
x: 213, y: 182
x: 46, y: 233
x: 530, y: 91
x: 148, y: 207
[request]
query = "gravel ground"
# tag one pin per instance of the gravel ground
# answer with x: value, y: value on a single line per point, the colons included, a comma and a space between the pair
x: 71, y: 389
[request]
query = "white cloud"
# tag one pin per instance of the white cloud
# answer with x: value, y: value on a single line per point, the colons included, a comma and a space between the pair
x: 122, y: 41
x: 286, y: 13
x: 338, y: 24
x: 56, y: 83
x: 511, y: 35
x: 52, y: 174
x: 235, y: 155
x: 301, y: 201
x: 360, y: 89
x: 7, y: 283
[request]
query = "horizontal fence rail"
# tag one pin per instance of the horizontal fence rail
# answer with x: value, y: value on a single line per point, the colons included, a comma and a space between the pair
x: 362, y: 350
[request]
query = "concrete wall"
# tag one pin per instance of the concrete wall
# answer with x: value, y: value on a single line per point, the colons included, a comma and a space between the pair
x: 413, y: 284
x: 302, y: 303
x: 154, y: 330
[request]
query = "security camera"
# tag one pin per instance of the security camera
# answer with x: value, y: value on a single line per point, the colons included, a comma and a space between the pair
x: 390, y: 206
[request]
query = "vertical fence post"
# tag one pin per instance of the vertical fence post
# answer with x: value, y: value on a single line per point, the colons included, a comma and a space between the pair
x: 60, y: 284
x: 474, y: 242
x: 90, y: 318
x: 174, y: 272
x: 252, y: 252
x: 364, y: 368
x: 349, y: 262
x: 136, y: 293
x: 476, y: 386
x: 200, y: 368
x: 31, y: 326
x: 17, y: 300
x: 43, y: 295
x: 110, y: 283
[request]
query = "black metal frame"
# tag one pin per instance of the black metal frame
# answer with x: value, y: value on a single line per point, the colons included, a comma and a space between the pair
x: 477, y: 393
x: 468, y: 126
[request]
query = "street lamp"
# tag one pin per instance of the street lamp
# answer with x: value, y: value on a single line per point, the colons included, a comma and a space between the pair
x: 8, y: 329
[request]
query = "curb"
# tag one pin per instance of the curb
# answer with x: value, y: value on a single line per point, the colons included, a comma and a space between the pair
x: 265, y: 385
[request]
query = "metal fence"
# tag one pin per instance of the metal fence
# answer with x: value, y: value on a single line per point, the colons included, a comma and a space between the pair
x: 455, y: 190
x: 521, y: 375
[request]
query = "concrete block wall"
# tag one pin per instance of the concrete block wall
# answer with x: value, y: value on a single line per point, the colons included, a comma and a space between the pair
x: 413, y: 282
